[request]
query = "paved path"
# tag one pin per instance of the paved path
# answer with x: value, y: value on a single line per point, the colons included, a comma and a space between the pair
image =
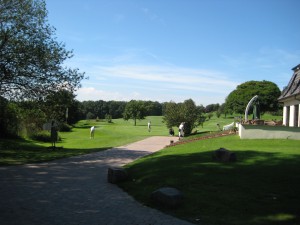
x: 75, y: 191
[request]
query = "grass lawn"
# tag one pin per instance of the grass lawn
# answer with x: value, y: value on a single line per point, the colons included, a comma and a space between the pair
x: 262, y: 187
x: 107, y: 135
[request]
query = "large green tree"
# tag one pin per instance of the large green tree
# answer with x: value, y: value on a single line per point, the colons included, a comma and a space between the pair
x: 176, y: 113
x: 61, y: 105
x: 31, y: 59
x: 171, y: 114
x: 267, y: 91
x: 135, y: 110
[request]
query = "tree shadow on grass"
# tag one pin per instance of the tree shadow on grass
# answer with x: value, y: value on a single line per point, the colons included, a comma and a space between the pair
x: 260, y: 188
x: 21, y: 151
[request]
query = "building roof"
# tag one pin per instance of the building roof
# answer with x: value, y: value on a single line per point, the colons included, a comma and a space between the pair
x: 293, y: 87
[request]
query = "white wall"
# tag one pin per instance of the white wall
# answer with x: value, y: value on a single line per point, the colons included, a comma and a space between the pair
x: 268, y: 132
x: 291, y: 117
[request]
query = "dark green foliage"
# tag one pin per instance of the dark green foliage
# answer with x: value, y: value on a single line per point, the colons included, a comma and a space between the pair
x: 210, y: 115
x: 115, y: 108
x: 57, y: 104
x: 135, y: 110
x: 43, y: 136
x: 90, y: 116
x: 64, y: 127
x: 267, y: 92
x: 187, y: 112
x: 31, y: 118
x: 32, y: 60
x: 191, y: 116
x: 31, y: 68
x: 8, y: 118
x: 212, y: 107
x: 108, y: 118
x: 153, y: 108
x: 172, y: 117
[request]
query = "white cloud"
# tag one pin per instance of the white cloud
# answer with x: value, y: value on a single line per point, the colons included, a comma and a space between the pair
x: 93, y: 94
x: 170, y: 76
x: 156, y: 83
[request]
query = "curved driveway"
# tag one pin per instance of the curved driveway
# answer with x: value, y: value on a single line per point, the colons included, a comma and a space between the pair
x: 75, y: 191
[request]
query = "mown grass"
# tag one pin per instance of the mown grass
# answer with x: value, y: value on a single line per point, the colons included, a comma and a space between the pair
x: 262, y: 187
x: 77, y: 142
x: 107, y: 135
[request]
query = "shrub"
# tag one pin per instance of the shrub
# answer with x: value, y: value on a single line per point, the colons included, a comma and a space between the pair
x: 108, y: 118
x: 43, y: 136
x: 210, y: 115
x: 64, y: 127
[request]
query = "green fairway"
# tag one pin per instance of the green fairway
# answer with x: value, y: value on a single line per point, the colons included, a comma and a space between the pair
x: 76, y: 142
x: 262, y: 187
x: 107, y: 135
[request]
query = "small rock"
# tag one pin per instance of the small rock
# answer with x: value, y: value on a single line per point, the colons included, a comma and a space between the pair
x: 224, y: 155
x: 116, y: 174
x: 167, y: 196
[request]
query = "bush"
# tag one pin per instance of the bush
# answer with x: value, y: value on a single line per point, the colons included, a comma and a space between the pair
x: 108, y: 118
x: 43, y: 136
x: 90, y: 116
x: 64, y: 127
x: 277, y: 113
x: 210, y: 115
x: 8, y: 119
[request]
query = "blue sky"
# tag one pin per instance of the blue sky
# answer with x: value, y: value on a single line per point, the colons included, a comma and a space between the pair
x: 173, y: 50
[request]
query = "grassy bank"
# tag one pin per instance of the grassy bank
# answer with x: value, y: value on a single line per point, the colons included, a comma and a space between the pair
x: 262, y: 187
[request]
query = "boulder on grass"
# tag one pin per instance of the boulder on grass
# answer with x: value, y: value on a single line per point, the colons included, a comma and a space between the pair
x: 167, y: 197
x: 116, y: 174
x: 224, y: 155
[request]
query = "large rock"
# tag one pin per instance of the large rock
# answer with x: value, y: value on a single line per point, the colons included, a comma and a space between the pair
x: 116, y: 174
x: 168, y: 197
x: 224, y: 155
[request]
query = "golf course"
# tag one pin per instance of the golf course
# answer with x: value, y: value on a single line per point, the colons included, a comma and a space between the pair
x: 261, y: 187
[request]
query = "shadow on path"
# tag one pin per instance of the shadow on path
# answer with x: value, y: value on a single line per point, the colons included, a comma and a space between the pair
x: 75, y: 191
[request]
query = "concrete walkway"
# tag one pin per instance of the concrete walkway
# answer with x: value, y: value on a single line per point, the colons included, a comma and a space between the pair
x: 75, y: 191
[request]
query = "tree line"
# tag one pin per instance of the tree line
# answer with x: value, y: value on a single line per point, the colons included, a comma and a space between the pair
x: 24, y: 118
x: 27, y: 116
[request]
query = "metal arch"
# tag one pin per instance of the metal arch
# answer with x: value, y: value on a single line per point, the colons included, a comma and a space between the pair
x: 248, y: 106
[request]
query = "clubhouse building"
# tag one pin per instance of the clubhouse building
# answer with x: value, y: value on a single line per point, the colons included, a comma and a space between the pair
x: 290, y: 128
x: 290, y: 97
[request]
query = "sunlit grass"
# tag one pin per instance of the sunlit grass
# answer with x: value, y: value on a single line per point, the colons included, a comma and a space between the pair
x: 77, y: 142
x: 263, y: 182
